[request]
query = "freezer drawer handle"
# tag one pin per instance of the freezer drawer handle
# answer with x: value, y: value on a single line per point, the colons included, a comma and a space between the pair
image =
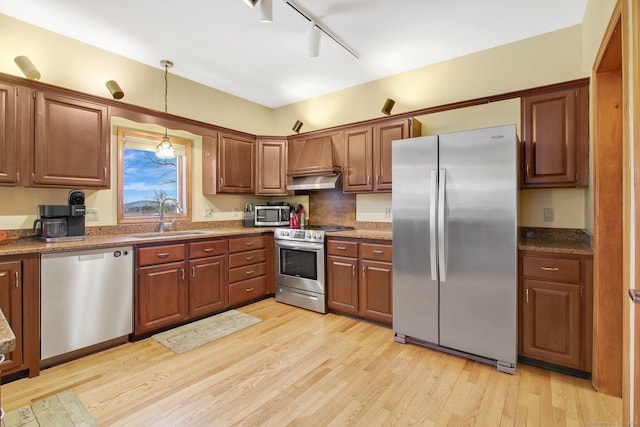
x: 634, y: 294
x: 550, y: 268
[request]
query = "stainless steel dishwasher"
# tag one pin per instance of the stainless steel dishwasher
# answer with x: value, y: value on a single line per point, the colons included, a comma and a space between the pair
x: 86, y: 300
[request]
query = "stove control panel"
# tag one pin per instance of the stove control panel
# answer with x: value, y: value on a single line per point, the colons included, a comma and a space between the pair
x: 299, y: 235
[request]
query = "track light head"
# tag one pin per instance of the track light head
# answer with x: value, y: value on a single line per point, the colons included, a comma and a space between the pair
x: 26, y: 66
x: 388, y: 106
x: 115, y: 90
x: 251, y: 3
x: 297, y: 126
x: 313, y: 48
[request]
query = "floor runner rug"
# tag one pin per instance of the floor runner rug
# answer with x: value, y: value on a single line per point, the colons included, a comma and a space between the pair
x: 195, y: 334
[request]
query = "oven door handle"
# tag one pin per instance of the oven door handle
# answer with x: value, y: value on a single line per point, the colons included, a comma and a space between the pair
x: 301, y: 246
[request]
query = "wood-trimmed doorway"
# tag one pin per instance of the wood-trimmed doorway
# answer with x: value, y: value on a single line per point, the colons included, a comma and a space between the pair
x: 608, y: 211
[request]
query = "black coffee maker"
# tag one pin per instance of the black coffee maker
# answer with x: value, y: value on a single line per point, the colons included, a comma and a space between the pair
x: 59, y: 223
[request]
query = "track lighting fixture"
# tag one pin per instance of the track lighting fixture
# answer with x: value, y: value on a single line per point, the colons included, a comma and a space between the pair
x: 115, y: 89
x: 388, y: 105
x: 266, y: 9
x: 165, y: 150
x: 26, y: 66
x: 297, y: 126
x: 313, y: 47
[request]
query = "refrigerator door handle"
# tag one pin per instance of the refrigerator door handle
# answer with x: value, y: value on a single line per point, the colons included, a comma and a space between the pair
x: 432, y: 223
x: 442, y: 255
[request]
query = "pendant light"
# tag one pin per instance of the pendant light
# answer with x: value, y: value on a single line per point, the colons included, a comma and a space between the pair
x: 165, y: 149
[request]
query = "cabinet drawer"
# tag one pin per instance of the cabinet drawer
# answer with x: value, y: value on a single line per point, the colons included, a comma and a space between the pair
x: 247, y: 244
x: 160, y: 254
x: 207, y: 248
x: 376, y: 252
x: 246, y: 258
x: 247, y: 272
x: 556, y: 269
x: 342, y: 248
x: 247, y: 290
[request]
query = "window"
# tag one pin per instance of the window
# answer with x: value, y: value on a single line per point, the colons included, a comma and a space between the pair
x: 145, y: 180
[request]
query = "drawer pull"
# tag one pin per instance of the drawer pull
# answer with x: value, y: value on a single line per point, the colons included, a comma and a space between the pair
x: 250, y: 243
x: 375, y: 251
x: 550, y: 268
x: 162, y: 254
x: 342, y: 248
x: 193, y: 272
x: 208, y: 250
x: 249, y: 272
x: 248, y: 290
x: 527, y: 295
x: 249, y: 258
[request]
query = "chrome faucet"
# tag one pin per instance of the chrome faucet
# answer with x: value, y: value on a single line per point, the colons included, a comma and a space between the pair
x: 162, y: 208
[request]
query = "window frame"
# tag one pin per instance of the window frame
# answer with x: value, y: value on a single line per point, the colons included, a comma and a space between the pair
x: 122, y: 132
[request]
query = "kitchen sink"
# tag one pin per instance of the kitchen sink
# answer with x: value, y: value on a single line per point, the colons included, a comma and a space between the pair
x: 160, y: 235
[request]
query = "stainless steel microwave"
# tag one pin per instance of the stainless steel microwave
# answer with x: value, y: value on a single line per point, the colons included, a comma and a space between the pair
x: 271, y: 216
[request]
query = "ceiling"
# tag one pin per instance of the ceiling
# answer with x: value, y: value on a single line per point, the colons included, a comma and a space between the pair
x: 221, y: 44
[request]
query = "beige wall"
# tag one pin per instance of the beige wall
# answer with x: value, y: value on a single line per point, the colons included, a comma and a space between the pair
x: 67, y: 63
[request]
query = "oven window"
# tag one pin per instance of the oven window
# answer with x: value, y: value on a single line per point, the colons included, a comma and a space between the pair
x: 298, y: 263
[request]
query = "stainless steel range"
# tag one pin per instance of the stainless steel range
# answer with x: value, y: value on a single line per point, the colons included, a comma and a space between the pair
x: 300, y: 266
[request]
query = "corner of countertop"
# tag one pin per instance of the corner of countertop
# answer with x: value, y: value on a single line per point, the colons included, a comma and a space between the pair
x: 556, y: 240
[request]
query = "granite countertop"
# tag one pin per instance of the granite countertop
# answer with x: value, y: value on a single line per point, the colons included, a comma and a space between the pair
x: 362, y: 234
x: 560, y: 241
x: 32, y: 245
x: 7, y: 338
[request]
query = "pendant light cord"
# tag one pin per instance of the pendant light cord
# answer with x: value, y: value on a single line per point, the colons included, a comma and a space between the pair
x: 166, y: 92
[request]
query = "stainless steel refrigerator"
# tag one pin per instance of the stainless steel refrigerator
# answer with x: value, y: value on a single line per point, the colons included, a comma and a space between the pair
x: 455, y: 210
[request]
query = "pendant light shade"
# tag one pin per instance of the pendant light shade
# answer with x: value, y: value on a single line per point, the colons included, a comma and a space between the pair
x: 165, y: 149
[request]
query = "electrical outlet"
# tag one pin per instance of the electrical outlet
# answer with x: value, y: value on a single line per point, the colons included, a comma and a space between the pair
x: 387, y: 212
x: 208, y: 213
x: 548, y: 214
x: 92, y: 214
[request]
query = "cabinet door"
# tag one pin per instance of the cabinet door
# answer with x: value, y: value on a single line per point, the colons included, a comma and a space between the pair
x: 552, y: 322
x: 236, y: 163
x: 161, y: 296
x: 71, y: 143
x: 271, y: 167
x: 383, y: 135
x: 342, y: 277
x: 553, y: 135
x: 11, y: 306
x: 358, y: 160
x: 8, y: 135
x: 376, y: 298
x: 208, y: 290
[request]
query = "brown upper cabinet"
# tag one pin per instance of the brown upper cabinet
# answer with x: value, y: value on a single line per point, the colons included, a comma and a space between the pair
x: 271, y: 166
x: 315, y: 155
x: 555, y: 138
x: 8, y: 135
x: 228, y: 164
x: 70, y: 142
x: 367, y: 154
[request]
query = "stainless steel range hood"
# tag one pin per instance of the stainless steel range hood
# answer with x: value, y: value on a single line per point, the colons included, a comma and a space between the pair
x: 317, y: 182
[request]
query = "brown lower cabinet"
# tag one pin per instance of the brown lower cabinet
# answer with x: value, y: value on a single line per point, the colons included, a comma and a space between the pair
x: 179, y: 281
x: 555, y: 306
x: 20, y: 304
x: 248, y: 265
x: 359, y: 278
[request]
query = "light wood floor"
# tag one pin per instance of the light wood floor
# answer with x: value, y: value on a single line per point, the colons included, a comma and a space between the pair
x: 302, y: 368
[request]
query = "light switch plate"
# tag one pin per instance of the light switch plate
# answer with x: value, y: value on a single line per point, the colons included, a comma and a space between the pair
x: 548, y: 214
x: 93, y: 214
